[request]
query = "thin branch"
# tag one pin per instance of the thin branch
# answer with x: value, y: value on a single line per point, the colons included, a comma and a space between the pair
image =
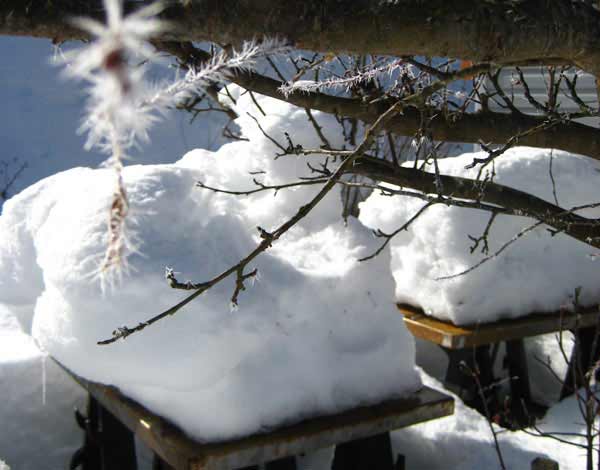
x: 267, y: 237
x: 519, y: 235
x: 389, y: 236
x: 262, y: 187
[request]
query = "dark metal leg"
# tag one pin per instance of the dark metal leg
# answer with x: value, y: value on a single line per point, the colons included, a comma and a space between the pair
x: 160, y: 464
x: 108, y: 445
x: 287, y: 463
x: 88, y: 457
x: 520, y: 393
x: 585, y: 353
x: 370, y: 453
x: 462, y: 364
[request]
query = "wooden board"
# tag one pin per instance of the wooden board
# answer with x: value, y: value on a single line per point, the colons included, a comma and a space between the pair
x: 452, y: 336
x: 181, y: 452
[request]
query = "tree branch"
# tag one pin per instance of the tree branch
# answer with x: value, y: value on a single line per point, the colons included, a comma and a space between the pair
x: 502, y: 32
x: 460, y: 127
x: 519, y: 202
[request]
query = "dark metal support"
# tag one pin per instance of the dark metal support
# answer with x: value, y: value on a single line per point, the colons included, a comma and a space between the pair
x: 520, y: 393
x: 160, y: 464
x: 108, y: 445
x: 400, y: 462
x: 287, y: 463
x: 461, y: 364
x: 370, y: 453
x: 586, y: 352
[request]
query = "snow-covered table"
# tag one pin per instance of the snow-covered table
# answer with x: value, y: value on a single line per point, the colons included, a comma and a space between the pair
x: 469, y: 349
x: 349, y: 429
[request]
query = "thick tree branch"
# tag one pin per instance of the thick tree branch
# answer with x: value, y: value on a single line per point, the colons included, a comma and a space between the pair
x: 501, y: 31
x: 486, y: 126
x: 519, y: 202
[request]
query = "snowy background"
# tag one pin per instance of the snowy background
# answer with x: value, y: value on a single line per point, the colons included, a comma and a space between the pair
x: 40, y: 115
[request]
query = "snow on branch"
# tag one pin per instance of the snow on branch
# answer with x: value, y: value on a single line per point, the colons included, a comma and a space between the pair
x: 347, y: 82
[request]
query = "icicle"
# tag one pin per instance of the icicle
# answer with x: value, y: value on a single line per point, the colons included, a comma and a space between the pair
x: 44, y: 356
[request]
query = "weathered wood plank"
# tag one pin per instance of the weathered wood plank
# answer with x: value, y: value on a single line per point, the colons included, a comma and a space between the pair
x: 183, y: 453
x: 453, y: 336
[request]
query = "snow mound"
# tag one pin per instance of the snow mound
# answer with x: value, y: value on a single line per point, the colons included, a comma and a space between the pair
x: 538, y: 273
x: 317, y: 334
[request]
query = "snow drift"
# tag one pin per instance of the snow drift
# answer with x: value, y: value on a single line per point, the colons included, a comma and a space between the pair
x: 538, y: 273
x: 316, y: 335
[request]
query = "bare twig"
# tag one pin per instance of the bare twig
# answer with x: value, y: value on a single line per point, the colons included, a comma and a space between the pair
x: 267, y: 237
x: 519, y: 235
x: 389, y: 236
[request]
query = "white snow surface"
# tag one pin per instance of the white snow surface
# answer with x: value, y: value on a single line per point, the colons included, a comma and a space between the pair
x: 38, y: 428
x: 537, y: 273
x: 317, y: 334
x: 464, y: 440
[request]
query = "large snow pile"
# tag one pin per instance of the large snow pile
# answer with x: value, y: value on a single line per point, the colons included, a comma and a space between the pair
x: 317, y: 334
x: 538, y: 273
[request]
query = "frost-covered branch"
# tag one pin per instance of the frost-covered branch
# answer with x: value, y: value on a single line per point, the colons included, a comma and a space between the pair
x: 121, y: 106
x: 462, y: 126
x: 346, y: 82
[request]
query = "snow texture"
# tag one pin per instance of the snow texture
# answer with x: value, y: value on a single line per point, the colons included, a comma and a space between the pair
x: 317, y: 334
x: 38, y: 428
x: 464, y: 440
x: 538, y: 273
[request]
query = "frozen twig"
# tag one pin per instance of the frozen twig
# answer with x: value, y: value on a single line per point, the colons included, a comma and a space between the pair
x: 268, y: 238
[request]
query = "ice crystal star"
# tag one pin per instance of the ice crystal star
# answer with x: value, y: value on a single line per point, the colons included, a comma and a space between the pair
x: 121, y: 107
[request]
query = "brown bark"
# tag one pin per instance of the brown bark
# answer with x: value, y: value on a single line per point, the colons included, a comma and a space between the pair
x: 502, y: 32
x: 580, y: 228
x: 469, y: 128
x: 489, y: 127
x: 533, y: 30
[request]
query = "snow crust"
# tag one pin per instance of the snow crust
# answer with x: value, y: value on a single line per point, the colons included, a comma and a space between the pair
x: 316, y: 335
x: 538, y: 273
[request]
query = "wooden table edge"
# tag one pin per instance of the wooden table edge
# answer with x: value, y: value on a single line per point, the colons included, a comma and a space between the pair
x: 181, y: 452
x: 452, y: 336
